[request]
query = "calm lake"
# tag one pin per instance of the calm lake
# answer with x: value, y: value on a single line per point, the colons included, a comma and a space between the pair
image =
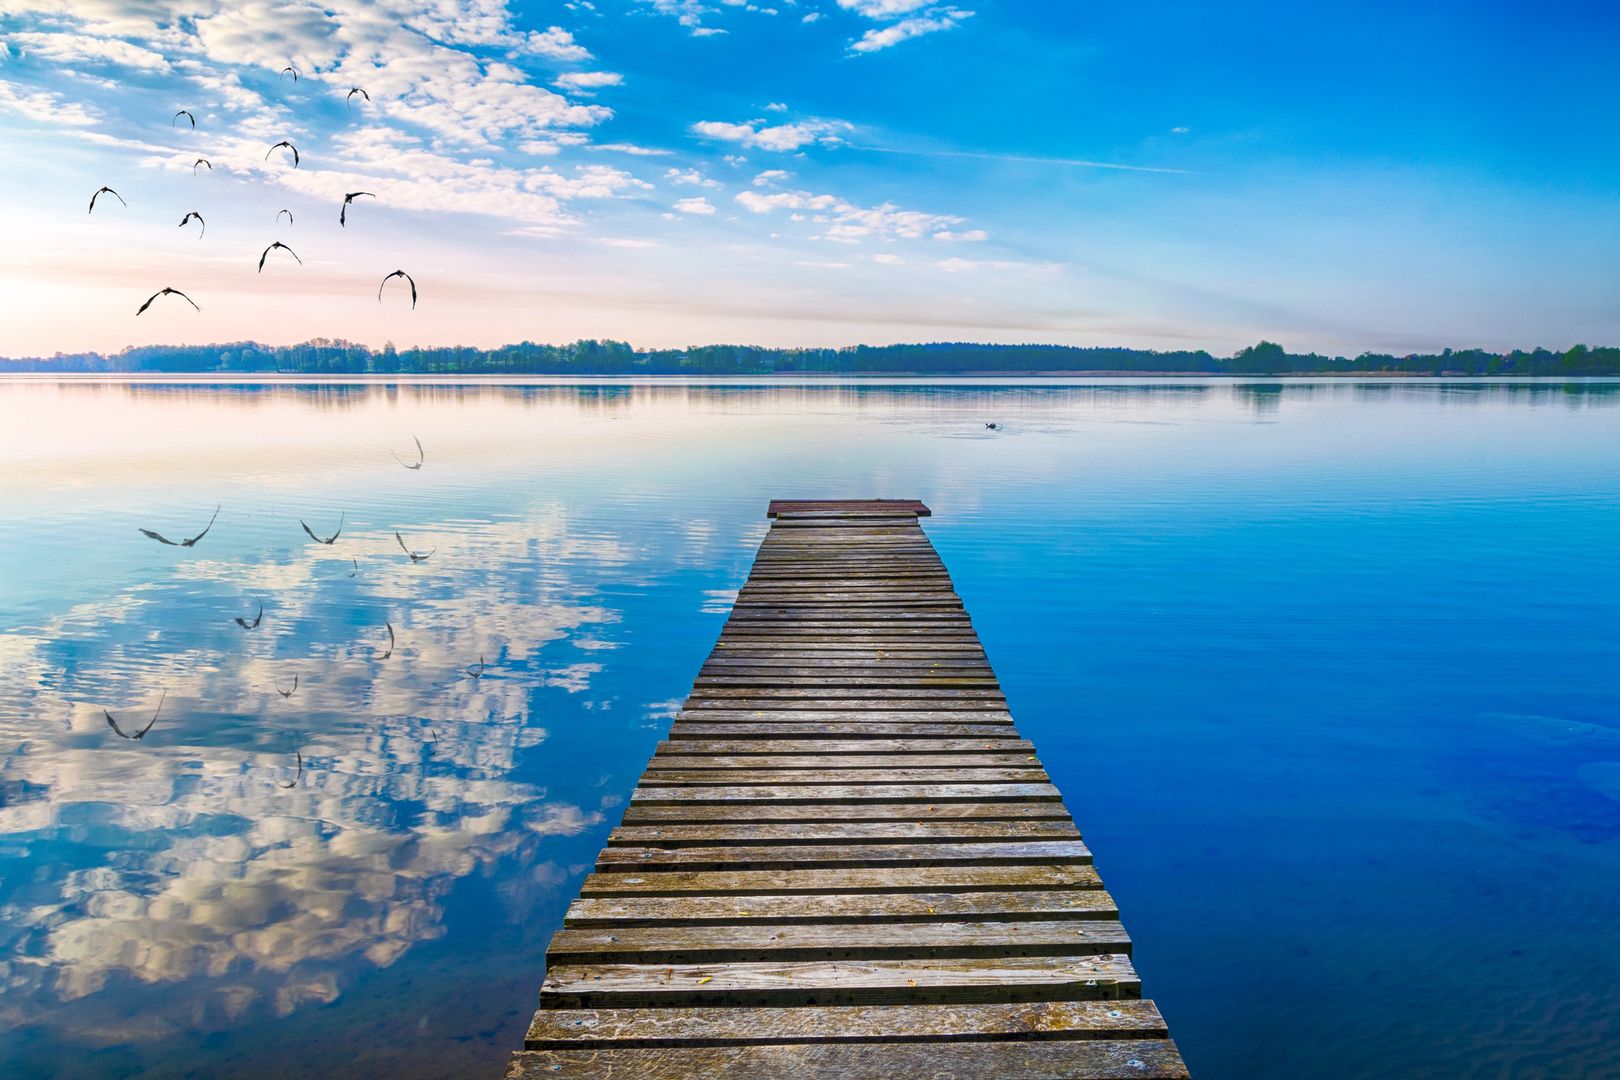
x: 1328, y: 671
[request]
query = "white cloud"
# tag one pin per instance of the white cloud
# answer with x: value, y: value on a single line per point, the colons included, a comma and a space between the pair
x: 43, y: 106
x: 886, y: 259
x: 814, y: 16
x: 1179, y: 130
x: 883, y: 9
x: 848, y: 222
x: 776, y: 106
x: 696, y: 205
x: 633, y: 150
x: 586, y: 81
x: 771, y: 176
x: 689, y: 176
x: 72, y: 48
x: 756, y: 134
x: 906, y: 29
x: 965, y: 236
x: 822, y: 264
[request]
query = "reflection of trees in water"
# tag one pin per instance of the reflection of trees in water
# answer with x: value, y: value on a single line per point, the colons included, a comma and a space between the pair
x: 615, y: 396
x: 180, y: 860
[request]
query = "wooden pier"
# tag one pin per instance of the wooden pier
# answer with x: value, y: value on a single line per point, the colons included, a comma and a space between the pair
x: 844, y: 861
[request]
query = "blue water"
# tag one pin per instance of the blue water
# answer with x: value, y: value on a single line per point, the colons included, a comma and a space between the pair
x: 1326, y: 671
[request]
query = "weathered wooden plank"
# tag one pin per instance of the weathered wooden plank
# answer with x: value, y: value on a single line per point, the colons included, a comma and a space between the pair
x: 931, y: 831
x: 674, y: 760
x: 1009, y: 905
x: 752, y: 941
x: 846, y: 793
x: 627, y: 859
x: 843, y: 880
x: 696, y: 813
x: 733, y: 778
x: 840, y: 683
x: 832, y: 748
x: 727, y: 725
x: 1076, y: 977
x: 1098, y: 1059
x: 649, y: 1028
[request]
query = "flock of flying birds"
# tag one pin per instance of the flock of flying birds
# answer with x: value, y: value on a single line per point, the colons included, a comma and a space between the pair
x: 202, y: 226
x: 474, y: 671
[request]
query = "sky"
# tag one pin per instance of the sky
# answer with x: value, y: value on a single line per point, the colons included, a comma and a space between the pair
x: 1337, y: 177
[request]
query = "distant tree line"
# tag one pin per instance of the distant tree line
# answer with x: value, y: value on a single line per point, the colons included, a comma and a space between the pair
x: 324, y: 356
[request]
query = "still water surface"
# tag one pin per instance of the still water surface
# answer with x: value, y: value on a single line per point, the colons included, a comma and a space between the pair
x: 1326, y: 670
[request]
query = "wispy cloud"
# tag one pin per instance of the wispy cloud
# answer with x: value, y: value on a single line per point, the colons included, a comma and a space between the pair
x: 758, y: 134
x: 845, y: 221
x: 930, y: 23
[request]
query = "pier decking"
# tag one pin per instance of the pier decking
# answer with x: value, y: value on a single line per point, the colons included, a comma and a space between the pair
x: 844, y: 861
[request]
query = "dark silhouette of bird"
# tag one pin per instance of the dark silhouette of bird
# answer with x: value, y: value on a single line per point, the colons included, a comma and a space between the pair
x: 200, y: 221
x: 329, y: 539
x: 343, y: 214
x: 166, y: 291
x: 160, y: 538
x: 390, y: 651
x: 141, y: 734
x: 356, y: 569
x: 284, y: 211
x: 353, y: 90
x: 254, y: 625
x: 278, y: 146
x: 482, y: 667
x: 187, y: 114
x: 287, y: 693
x: 201, y: 161
x: 416, y: 557
x: 299, y: 775
x: 421, y: 455
x: 290, y: 70
x: 104, y: 191
x: 399, y: 274
x: 992, y: 425
x: 278, y: 244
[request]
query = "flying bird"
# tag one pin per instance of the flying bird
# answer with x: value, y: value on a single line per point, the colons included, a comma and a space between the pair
x: 105, y: 191
x: 416, y: 557
x: 254, y: 625
x: 187, y: 114
x: 399, y: 274
x: 160, y: 538
x: 141, y: 734
x: 356, y: 569
x: 343, y: 214
x: 200, y: 221
x: 390, y: 651
x: 278, y: 244
x: 278, y: 146
x: 287, y: 693
x: 299, y: 775
x: 421, y: 455
x: 289, y: 69
x: 482, y: 667
x: 201, y: 161
x: 353, y: 90
x: 287, y: 212
x: 330, y: 539
x: 166, y: 291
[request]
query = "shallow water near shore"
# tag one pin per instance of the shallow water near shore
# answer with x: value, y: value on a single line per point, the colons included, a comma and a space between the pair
x: 1324, y: 668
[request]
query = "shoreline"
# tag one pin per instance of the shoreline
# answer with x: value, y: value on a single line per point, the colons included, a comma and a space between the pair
x: 358, y: 379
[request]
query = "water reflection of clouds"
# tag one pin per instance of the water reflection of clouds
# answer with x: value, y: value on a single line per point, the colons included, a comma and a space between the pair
x: 274, y: 898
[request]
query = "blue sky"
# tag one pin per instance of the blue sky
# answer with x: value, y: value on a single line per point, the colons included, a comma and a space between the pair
x: 1335, y: 176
